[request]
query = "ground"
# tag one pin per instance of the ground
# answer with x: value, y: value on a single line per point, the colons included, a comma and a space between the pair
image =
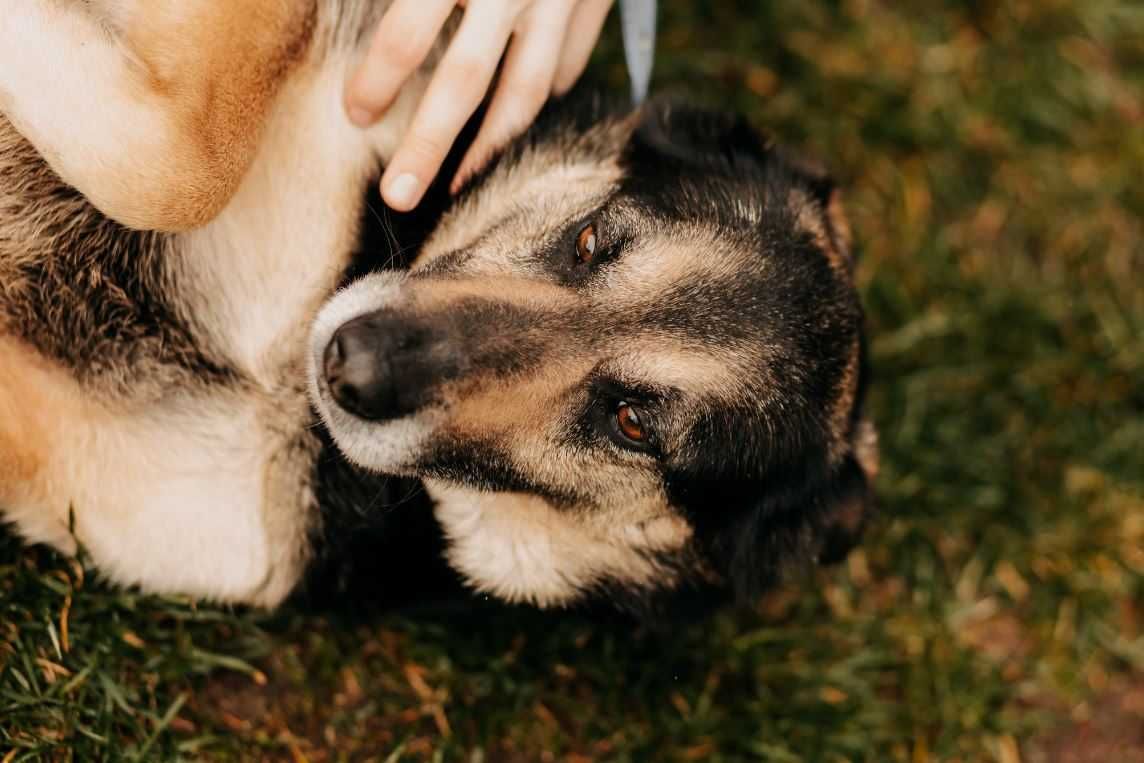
x: 992, y: 153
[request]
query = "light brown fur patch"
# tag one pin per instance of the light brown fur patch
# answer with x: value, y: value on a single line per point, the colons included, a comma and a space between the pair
x: 217, y: 66
x: 672, y: 364
x: 844, y: 404
x: 521, y: 549
x: 812, y: 219
x: 840, y: 223
x: 153, y: 109
x: 524, y: 407
x: 34, y: 399
x: 22, y: 447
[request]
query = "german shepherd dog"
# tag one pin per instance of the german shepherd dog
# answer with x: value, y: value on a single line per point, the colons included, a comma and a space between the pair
x: 628, y: 360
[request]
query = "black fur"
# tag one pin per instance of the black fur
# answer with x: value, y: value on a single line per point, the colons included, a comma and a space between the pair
x: 770, y: 495
x: 377, y: 543
x: 97, y: 302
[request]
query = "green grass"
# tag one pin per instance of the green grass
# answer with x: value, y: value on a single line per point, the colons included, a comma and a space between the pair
x: 993, y: 154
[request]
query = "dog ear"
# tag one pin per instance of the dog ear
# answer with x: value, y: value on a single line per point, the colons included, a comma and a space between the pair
x: 670, y: 136
x: 812, y: 178
x: 675, y: 133
x: 818, y: 514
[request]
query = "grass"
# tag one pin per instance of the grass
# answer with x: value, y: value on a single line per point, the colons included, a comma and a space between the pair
x: 992, y: 152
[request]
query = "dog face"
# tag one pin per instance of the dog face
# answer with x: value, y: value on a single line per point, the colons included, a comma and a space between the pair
x: 628, y: 358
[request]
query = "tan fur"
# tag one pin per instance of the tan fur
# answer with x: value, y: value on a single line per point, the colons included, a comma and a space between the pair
x: 525, y: 416
x: 185, y: 85
x: 34, y: 397
x: 840, y: 223
x: 810, y: 218
x: 844, y: 404
x: 520, y: 408
x: 217, y: 66
x: 137, y: 483
x: 522, y: 415
x: 668, y: 262
x: 671, y: 364
x: 561, y: 187
x: 521, y: 549
x: 866, y: 448
x: 209, y: 114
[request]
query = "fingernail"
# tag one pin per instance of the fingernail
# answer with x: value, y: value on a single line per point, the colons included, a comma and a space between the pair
x: 402, y: 191
x: 361, y: 117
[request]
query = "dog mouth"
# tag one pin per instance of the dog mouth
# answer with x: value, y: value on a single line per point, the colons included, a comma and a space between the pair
x: 352, y: 389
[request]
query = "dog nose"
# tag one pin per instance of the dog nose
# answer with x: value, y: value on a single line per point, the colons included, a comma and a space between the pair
x: 356, y: 366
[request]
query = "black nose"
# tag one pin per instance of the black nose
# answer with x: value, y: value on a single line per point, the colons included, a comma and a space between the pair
x: 357, y: 365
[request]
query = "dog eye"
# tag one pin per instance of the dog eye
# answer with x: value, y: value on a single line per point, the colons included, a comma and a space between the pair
x: 586, y: 243
x: 630, y: 424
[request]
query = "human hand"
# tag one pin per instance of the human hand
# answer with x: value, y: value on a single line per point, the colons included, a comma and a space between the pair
x: 548, y: 42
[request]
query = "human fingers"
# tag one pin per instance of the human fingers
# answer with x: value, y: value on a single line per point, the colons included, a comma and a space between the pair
x: 583, y: 32
x: 402, y: 40
x: 525, y: 82
x: 457, y: 87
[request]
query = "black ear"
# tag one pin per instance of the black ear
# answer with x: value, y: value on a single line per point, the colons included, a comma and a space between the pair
x: 808, y: 174
x: 672, y: 138
x: 669, y: 131
x: 805, y: 517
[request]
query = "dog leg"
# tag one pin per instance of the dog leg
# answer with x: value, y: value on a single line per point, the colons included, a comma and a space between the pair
x: 192, y: 497
x: 151, y: 108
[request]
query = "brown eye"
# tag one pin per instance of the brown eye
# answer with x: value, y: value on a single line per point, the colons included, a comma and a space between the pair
x: 586, y: 243
x: 629, y: 422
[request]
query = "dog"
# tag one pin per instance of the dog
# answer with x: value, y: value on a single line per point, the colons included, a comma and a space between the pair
x: 628, y: 360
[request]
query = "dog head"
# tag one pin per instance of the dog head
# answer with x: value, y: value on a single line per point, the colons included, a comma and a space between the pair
x: 630, y: 357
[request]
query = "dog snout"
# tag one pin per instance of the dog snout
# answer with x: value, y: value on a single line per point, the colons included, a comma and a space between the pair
x: 383, y: 366
x: 357, y: 371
